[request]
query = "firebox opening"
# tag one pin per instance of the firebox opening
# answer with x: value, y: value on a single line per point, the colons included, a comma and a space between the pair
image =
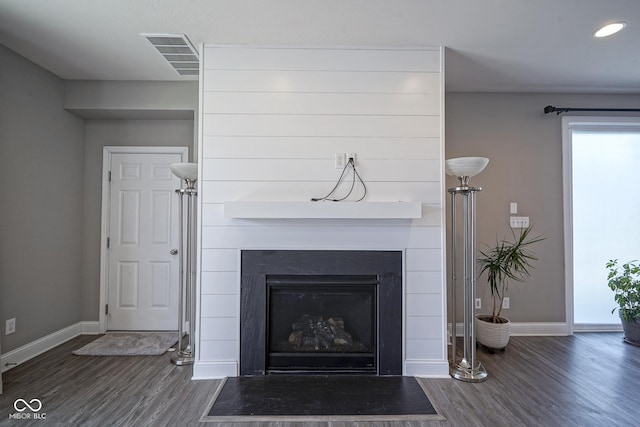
x: 321, y: 324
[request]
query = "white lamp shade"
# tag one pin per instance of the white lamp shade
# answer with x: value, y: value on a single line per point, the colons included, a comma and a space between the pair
x: 185, y: 170
x: 465, y: 166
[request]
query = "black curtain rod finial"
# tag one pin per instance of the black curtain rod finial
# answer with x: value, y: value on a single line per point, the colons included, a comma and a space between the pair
x: 551, y: 109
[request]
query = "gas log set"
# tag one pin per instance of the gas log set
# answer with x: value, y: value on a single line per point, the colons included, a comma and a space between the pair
x: 315, y: 334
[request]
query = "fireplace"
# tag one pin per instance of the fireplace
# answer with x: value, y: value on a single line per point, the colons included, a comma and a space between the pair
x: 321, y: 312
x: 321, y: 323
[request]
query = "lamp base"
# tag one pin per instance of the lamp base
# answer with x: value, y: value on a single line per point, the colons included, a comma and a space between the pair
x: 468, y: 374
x: 181, y: 358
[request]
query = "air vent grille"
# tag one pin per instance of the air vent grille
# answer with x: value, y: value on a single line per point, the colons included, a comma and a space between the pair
x: 178, y: 51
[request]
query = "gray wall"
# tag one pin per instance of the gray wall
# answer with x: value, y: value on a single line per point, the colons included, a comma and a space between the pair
x: 525, y: 151
x: 50, y: 168
x: 41, y: 210
x: 158, y: 96
x: 100, y: 133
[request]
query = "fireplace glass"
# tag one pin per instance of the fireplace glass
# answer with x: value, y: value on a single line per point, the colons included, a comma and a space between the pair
x: 321, y: 324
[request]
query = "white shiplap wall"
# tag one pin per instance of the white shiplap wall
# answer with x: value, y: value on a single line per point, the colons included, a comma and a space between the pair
x: 272, y: 120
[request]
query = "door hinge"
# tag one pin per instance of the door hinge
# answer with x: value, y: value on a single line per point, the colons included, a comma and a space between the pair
x: 108, y: 242
x: 106, y: 309
x: 109, y: 176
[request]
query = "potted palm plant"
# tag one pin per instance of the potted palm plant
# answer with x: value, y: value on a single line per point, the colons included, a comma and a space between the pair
x: 625, y: 284
x: 504, y: 262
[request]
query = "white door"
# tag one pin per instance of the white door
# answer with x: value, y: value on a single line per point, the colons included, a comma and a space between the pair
x: 142, y: 272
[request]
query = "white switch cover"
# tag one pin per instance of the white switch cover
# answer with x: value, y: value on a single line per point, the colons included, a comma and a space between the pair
x: 340, y: 160
x: 513, y: 208
x: 519, y: 221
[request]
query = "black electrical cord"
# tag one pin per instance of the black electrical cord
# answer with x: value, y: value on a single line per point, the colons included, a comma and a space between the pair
x: 363, y: 184
x: 334, y: 188
x: 351, y: 164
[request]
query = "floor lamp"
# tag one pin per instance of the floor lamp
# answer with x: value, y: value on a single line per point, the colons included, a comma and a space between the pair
x: 185, y: 351
x: 468, y: 368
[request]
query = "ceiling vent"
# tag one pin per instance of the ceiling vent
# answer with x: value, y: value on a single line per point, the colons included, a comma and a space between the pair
x: 178, y: 51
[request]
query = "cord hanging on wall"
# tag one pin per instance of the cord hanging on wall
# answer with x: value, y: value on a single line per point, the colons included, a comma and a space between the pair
x: 350, y: 165
x: 559, y: 110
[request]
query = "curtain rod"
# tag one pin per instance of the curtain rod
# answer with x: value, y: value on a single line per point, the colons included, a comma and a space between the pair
x: 551, y: 109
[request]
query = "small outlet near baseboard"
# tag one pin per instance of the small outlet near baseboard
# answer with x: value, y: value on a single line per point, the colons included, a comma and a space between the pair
x: 478, y: 303
x: 505, y: 303
x: 10, y: 326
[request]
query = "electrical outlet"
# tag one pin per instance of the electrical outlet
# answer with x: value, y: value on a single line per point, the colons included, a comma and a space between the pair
x: 340, y: 160
x: 505, y: 303
x: 10, y: 326
x: 352, y: 156
x: 519, y: 221
x: 478, y: 303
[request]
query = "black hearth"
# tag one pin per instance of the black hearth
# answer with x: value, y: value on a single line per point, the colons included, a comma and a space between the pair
x: 321, y: 312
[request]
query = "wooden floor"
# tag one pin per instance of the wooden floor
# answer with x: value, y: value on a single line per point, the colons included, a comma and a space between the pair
x: 585, y: 380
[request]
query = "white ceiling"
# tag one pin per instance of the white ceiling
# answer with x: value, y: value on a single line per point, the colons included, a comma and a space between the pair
x: 493, y: 45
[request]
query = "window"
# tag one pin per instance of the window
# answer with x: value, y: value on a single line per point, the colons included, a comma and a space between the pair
x: 602, y: 212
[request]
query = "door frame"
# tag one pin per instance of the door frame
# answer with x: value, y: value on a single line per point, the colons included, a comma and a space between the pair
x: 570, y: 124
x: 107, y: 153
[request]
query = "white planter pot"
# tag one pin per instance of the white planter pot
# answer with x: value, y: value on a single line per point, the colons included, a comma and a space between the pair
x: 492, y: 335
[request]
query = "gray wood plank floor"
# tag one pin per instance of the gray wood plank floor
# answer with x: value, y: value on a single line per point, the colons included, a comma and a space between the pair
x: 590, y: 379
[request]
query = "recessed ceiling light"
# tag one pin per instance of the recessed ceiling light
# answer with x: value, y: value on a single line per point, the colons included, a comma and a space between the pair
x: 610, y: 29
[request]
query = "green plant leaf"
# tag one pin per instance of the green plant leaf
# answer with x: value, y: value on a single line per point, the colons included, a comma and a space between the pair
x: 507, y: 261
x: 625, y: 283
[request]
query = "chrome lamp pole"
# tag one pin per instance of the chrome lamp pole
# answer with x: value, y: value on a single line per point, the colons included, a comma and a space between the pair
x: 185, y: 351
x: 467, y: 368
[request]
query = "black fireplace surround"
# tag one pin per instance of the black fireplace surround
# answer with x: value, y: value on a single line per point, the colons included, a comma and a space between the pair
x: 352, y: 300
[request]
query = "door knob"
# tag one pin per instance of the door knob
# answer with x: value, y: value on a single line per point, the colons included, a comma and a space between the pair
x: 174, y: 252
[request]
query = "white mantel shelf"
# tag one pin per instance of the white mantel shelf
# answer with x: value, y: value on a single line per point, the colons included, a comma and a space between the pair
x: 323, y: 210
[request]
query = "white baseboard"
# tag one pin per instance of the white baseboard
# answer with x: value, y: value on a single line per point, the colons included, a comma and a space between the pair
x: 416, y: 368
x: 214, y: 370
x: 427, y: 368
x: 90, y: 328
x: 28, y: 351
x: 539, y: 329
x: 529, y: 329
x: 597, y: 328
